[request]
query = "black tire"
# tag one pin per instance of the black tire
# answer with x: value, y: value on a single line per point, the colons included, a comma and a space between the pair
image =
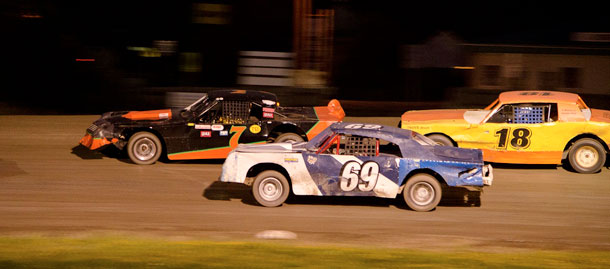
x: 422, y: 192
x: 587, y: 156
x: 441, y: 140
x: 270, y: 188
x: 144, y: 148
x: 289, y: 137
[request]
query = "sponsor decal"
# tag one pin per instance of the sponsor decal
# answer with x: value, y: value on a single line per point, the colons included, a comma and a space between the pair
x: 291, y: 160
x: 312, y: 159
x: 203, y: 127
x: 163, y: 115
x: 268, y: 112
x: 205, y: 134
x: 224, y: 133
x: 269, y: 102
x: 255, y: 129
x: 190, y: 124
x: 217, y: 127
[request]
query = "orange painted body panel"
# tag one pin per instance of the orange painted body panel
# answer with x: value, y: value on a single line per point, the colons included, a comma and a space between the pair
x: 327, y: 115
x: 149, y: 115
x: 218, y: 153
x: 538, y: 157
x: 214, y: 153
x: 600, y: 115
x: 95, y: 143
x: 532, y: 97
x: 434, y: 114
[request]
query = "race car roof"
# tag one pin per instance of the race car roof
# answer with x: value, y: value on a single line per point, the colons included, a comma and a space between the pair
x: 371, y: 130
x: 538, y: 97
x: 242, y: 95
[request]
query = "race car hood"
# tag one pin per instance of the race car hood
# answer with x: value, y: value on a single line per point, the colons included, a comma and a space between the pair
x: 600, y: 115
x: 274, y: 147
x: 133, y: 117
x: 456, y: 115
x: 160, y: 114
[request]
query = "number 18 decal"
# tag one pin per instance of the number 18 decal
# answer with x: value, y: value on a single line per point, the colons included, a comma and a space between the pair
x: 520, y: 138
x: 362, y: 176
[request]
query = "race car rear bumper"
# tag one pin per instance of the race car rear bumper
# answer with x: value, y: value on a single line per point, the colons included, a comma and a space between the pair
x: 488, y: 176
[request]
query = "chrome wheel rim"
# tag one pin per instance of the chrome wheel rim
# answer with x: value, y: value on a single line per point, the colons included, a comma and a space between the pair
x: 586, y: 156
x: 270, y: 189
x: 144, y: 149
x: 422, y: 193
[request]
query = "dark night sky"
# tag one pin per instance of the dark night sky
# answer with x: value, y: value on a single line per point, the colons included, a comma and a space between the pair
x: 41, y: 52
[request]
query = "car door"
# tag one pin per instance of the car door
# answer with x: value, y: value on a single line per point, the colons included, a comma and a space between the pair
x: 218, y: 130
x: 519, y: 133
x: 351, y: 166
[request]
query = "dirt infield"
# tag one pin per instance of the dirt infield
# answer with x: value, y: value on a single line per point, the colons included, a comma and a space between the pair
x: 50, y: 185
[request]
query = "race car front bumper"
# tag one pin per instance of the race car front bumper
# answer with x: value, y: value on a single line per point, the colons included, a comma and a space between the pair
x: 488, y: 176
x: 96, y: 142
x: 97, y: 137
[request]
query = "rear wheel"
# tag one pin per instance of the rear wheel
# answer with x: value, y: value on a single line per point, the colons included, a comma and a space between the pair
x: 422, y: 192
x: 441, y: 140
x: 144, y: 148
x: 289, y: 137
x: 270, y: 188
x: 587, y: 156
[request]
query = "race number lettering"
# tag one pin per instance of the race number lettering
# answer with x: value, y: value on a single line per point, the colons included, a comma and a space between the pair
x: 362, y: 176
x: 520, y: 138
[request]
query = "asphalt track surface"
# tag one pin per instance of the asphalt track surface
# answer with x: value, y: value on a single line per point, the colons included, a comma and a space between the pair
x: 51, y: 186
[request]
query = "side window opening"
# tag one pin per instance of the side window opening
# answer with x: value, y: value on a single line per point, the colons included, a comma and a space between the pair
x: 341, y: 144
x: 525, y: 114
x: 389, y: 149
x: 234, y: 112
x: 256, y: 112
x: 361, y: 146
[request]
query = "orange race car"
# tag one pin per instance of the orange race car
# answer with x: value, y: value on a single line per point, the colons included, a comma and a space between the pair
x: 529, y: 127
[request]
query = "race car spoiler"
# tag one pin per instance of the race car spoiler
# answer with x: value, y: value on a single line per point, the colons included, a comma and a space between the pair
x: 332, y: 112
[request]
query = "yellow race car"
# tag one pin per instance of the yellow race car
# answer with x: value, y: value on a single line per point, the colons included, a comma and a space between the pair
x: 528, y: 127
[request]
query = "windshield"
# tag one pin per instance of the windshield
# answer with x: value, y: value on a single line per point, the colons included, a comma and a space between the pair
x: 198, y: 105
x: 422, y: 140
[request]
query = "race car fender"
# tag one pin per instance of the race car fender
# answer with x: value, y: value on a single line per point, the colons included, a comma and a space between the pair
x: 237, y: 165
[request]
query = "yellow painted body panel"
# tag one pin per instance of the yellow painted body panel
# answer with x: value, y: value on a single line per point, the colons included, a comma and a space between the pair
x: 542, y: 143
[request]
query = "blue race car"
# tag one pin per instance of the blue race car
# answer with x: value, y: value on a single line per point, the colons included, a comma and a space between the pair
x: 357, y: 159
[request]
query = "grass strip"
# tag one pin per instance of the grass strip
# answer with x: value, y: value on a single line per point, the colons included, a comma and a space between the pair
x: 129, y: 252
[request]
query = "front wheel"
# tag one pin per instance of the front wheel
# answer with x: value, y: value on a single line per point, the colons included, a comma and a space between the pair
x: 587, y: 156
x: 144, y: 148
x: 270, y: 188
x: 422, y: 192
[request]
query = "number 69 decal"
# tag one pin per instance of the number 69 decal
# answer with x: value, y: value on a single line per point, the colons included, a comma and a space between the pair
x: 362, y: 176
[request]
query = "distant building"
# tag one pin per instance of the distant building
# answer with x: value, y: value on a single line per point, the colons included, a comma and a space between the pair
x: 580, y: 65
